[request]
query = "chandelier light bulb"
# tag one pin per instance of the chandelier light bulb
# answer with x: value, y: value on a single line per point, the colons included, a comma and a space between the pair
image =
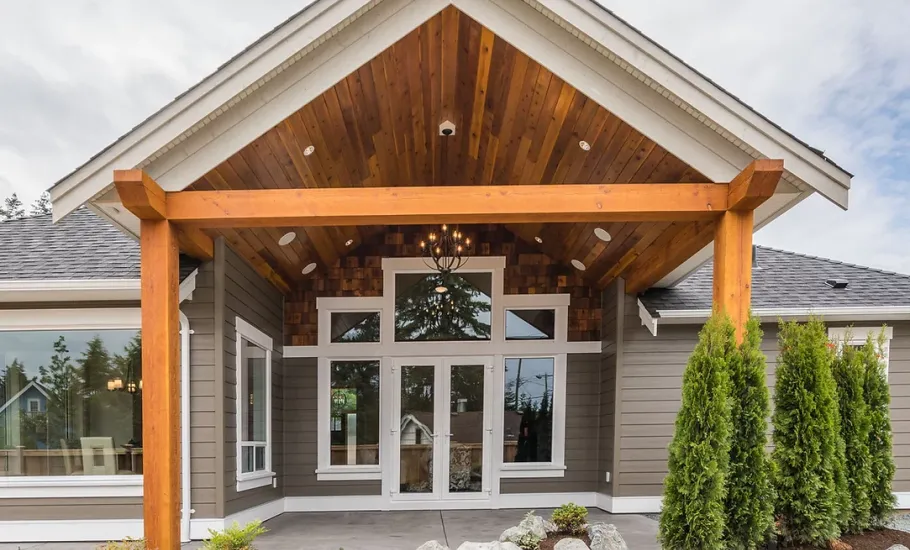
x: 444, y: 228
x: 423, y: 244
x: 467, y: 241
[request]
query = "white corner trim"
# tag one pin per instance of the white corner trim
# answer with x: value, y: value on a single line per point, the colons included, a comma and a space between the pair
x: 646, y: 319
x: 70, y: 486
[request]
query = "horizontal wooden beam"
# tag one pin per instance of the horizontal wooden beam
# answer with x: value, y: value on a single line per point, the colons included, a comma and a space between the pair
x: 755, y: 184
x: 449, y: 204
x: 140, y: 194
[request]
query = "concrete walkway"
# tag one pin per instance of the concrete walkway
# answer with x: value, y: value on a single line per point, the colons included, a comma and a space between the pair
x: 397, y: 530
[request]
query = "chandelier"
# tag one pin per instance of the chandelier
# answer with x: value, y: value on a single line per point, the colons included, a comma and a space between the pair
x: 131, y: 385
x: 445, y: 252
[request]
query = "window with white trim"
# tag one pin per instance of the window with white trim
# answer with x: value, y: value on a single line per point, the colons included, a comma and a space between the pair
x: 254, y: 407
x: 856, y: 337
x: 33, y: 406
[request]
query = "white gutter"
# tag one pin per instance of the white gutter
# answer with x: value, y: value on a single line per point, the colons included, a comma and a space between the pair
x: 846, y: 313
x: 82, y: 290
x: 187, y: 510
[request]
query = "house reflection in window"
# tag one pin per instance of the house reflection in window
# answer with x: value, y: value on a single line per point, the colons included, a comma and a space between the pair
x: 528, y: 410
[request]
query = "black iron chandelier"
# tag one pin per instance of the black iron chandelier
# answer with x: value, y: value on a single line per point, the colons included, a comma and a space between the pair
x: 447, y: 250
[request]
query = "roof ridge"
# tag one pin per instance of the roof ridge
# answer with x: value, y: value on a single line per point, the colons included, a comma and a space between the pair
x: 832, y: 261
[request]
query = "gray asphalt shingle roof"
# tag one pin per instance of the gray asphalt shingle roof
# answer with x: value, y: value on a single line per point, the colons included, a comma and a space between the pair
x: 80, y: 246
x: 784, y: 279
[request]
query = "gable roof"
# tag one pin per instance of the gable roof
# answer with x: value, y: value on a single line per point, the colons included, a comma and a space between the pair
x: 34, y: 383
x: 784, y: 280
x: 81, y: 246
x: 329, y: 37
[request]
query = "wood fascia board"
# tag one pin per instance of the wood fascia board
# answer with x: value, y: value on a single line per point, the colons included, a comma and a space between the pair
x: 717, y: 105
x: 368, y: 36
x: 198, y: 103
x: 463, y: 204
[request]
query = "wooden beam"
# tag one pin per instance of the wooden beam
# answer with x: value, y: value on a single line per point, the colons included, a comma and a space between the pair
x: 448, y: 204
x: 733, y: 267
x: 196, y: 243
x: 755, y: 184
x: 675, y: 246
x: 161, y: 386
x: 140, y: 194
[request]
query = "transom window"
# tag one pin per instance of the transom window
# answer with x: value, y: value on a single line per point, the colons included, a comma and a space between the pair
x: 456, y: 307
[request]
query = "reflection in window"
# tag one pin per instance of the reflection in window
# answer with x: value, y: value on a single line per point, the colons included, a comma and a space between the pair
x: 354, y: 413
x: 355, y: 326
x: 528, y: 410
x: 450, y: 308
x: 530, y: 324
x: 254, y: 439
x: 70, y: 403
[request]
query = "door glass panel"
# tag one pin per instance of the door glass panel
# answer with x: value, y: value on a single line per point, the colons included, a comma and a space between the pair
x: 466, y: 429
x: 417, y: 428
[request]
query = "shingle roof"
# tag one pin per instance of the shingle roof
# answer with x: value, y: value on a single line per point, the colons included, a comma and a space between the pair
x: 80, y: 246
x: 784, y: 279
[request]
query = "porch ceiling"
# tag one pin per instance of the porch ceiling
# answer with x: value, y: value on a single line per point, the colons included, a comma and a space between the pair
x: 516, y: 123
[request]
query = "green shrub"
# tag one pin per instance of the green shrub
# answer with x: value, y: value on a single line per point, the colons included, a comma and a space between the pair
x: 125, y: 544
x: 849, y: 375
x: 527, y: 541
x: 807, y: 443
x: 234, y: 537
x: 878, y: 402
x: 570, y: 518
x: 693, y: 514
x: 749, y: 503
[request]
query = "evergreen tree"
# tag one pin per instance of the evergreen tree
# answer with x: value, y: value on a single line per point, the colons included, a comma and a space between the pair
x: 12, y: 209
x: 805, y: 420
x: 61, y: 378
x: 878, y: 402
x: 750, y: 508
x: 12, y: 380
x: 423, y: 313
x: 694, y: 490
x: 42, y: 205
x: 849, y: 374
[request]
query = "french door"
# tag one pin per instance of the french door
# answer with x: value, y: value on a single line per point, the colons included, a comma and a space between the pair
x: 441, y: 428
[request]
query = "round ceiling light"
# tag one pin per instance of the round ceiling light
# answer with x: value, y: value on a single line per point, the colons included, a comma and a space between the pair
x: 585, y: 146
x: 309, y: 150
x: 578, y: 265
x: 602, y: 234
x: 539, y: 240
x: 287, y: 238
x: 349, y: 242
x: 310, y: 267
x: 442, y: 289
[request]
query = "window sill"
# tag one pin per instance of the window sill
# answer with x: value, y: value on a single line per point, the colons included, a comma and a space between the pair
x: 253, y: 480
x: 348, y: 474
x: 531, y: 470
x: 70, y: 486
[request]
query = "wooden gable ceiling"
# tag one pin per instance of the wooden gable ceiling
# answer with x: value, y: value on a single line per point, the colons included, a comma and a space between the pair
x: 516, y: 123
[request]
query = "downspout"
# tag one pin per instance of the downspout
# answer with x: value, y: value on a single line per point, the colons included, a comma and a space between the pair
x: 187, y: 509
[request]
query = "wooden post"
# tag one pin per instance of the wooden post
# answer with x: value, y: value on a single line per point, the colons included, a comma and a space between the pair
x: 733, y: 267
x: 161, y: 385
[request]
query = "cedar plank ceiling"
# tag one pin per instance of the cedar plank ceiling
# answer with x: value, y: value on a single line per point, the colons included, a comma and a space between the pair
x: 517, y: 123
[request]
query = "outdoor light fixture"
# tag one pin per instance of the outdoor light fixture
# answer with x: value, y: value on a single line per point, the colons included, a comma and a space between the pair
x: 539, y: 240
x: 349, y: 242
x: 447, y: 250
x: 602, y: 234
x: 287, y: 238
x: 585, y: 146
x: 578, y: 265
x: 309, y: 150
x: 309, y: 268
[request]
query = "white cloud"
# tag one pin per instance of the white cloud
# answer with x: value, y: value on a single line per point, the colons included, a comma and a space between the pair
x: 79, y: 73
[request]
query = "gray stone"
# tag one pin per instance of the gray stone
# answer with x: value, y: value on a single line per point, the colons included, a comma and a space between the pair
x: 534, y: 524
x: 433, y: 545
x: 550, y: 526
x: 512, y: 534
x: 898, y: 547
x: 571, y: 544
x: 605, y: 536
x: 495, y: 545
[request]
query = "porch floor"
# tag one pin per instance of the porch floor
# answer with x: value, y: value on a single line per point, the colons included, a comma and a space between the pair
x: 397, y: 530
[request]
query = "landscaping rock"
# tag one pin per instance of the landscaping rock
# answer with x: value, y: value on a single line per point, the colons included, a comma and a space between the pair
x: 550, y: 526
x: 495, y: 545
x: 605, y: 536
x: 898, y: 547
x: 512, y: 534
x: 571, y: 544
x: 433, y: 545
x: 534, y: 524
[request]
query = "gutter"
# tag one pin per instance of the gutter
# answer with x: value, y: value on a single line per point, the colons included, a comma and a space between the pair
x: 772, y: 315
x: 82, y: 290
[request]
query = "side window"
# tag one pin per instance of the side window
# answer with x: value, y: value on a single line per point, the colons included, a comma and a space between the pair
x: 254, y: 405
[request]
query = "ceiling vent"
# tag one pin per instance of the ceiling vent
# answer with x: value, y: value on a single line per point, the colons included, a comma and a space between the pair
x: 837, y: 283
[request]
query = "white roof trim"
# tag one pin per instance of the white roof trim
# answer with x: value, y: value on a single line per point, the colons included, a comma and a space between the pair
x: 840, y: 314
x: 82, y: 290
x: 21, y: 392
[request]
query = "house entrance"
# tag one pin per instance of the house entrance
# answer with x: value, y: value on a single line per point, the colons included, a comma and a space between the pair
x: 442, y: 428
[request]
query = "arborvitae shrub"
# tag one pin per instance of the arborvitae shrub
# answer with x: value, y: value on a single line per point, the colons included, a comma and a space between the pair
x: 850, y: 376
x: 878, y: 402
x: 694, y: 490
x: 749, y: 504
x: 806, y: 437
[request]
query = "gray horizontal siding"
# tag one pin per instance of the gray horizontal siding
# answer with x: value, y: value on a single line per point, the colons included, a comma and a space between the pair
x: 610, y: 359
x: 582, y: 422
x: 300, y: 447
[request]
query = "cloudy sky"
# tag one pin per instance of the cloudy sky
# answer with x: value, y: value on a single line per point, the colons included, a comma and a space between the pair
x: 76, y: 74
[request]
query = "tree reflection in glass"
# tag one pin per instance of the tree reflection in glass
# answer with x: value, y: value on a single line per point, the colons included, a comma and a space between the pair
x: 434, y: 307
x: 528, y: 410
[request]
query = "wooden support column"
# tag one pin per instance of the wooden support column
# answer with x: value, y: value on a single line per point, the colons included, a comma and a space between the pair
x: 733, y: 267
x: 161, y: 384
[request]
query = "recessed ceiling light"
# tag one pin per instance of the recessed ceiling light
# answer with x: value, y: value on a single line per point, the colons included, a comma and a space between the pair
x: 310, y: 267
x: 602, y: 234
x: 578, y: 265
x: 585, y: 146
x: 539, y: 240
x: 309, y: 150
x: 287, y: 238
x: 349, y: 242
